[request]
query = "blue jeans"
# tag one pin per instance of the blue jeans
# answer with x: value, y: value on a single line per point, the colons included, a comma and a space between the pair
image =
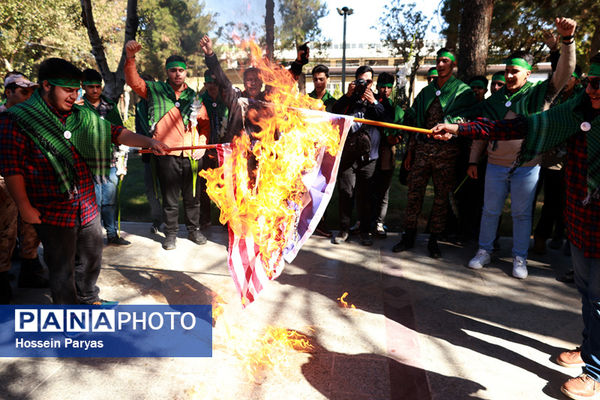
x: 521, y: 186
x: 587, y: 280
x: 106, y: 198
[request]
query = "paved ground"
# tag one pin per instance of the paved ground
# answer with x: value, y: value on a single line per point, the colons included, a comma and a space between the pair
x: 421, y: 329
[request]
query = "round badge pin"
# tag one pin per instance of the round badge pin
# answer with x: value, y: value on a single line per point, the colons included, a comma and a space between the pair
x: 101, y: 117
x: 67, y: 135
x: 438, y: 92
x: 177, y: 104
x: 585, y: 126
x: 508, y: 103
x: 214, y: 104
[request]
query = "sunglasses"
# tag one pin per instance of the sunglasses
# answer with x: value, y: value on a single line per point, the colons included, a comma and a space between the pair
x: 594, y: 83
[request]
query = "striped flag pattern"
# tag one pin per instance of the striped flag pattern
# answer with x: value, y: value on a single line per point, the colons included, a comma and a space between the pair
x: 244, y: 262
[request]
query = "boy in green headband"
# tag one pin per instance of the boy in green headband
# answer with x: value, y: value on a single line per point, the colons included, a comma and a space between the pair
x: 444, y: 98
x: 479, y: 86
x: 518, y: 96
x: 432, y: 74
x: 498, y: 82
x: 178, y: 117
x: 576, y: 124
x: 106, y: 189
x: 51, y: 148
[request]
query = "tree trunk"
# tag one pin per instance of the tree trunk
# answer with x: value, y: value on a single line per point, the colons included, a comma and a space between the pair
x: 113, y: 81
x: 595, y: 45
x: 453, y: 21
x: 473, y: 38
x: 270, y: 28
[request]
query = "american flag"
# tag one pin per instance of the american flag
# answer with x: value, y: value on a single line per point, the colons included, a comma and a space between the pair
x: 244, y: 261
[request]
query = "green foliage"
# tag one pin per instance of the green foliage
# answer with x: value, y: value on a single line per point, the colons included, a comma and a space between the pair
x: 519, y: 25
x: 32, y: 30
x: 299, y: 22
x: 170, y: 27
x: 403, y: 29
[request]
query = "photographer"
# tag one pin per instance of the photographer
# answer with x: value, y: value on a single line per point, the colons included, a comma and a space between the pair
x: 357, y: 166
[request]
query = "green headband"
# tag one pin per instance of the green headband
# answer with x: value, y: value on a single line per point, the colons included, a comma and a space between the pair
x: 446, y: 54
x: 385, y: 85
x: 175, y: 64
x: 433, y: 72
x: 478, y: 83
x: 518, y: 62
x: 67, y: 83
x: 574, y: 75
x: 84, y: 83
x: 499, y: 76
x: 594, y: 71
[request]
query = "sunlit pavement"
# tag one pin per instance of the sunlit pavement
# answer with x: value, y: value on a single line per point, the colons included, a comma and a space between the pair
x: 421, y: 328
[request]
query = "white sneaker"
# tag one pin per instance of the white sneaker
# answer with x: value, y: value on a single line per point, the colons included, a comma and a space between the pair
x: 519, y: 268
x: 481, y: 258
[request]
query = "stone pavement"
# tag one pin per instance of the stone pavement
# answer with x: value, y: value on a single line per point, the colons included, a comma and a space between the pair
x: 421, y: 329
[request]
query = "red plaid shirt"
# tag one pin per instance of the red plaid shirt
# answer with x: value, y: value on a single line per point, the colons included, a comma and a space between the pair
x: 20, y: 156
x: 582, y: 222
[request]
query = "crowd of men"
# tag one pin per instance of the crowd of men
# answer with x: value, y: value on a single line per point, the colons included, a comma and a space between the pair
x: 62, y: 159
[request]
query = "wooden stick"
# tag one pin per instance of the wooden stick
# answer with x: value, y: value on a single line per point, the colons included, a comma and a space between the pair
x: 393, y: 126
x: 206, y: 146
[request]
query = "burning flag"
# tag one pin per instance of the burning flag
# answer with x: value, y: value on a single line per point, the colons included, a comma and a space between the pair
x: 272, y: 210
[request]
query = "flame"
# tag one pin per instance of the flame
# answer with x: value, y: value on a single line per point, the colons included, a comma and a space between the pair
x: 344, y: 303
x: 263, y: 202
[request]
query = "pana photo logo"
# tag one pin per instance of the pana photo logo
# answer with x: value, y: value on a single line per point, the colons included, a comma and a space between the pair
x: 93, y: 331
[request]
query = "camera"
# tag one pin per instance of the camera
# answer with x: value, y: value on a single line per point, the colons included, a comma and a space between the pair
x: 360, y: 86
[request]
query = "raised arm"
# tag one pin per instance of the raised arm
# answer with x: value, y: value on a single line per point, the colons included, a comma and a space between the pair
x: 132, y: 77
x: 566, y: 62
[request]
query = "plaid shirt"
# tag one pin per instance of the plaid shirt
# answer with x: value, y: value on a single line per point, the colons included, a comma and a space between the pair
x: 582, y: 222
x: 20, y: 156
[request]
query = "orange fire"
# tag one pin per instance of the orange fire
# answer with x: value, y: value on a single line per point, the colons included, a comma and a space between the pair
x: 344, y: 303
x: 262, y: 203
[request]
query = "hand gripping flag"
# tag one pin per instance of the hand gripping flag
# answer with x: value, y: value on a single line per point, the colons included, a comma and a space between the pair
x: 249, y: 266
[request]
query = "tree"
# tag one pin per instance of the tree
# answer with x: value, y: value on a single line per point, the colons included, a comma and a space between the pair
x: 172, y: 27
x: 270, y: 28
x: 32, y: 30
x: 299, y: 22
x: 519, y: 25
x: 473, y: 38
x: 403, y: 30
x: 113, y: 81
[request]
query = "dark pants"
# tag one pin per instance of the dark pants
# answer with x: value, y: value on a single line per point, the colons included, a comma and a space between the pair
x: 175, y: 176
x: 207, y: 163
x: 355, y: 183
x: 74, y: 258
x: 554, y: 204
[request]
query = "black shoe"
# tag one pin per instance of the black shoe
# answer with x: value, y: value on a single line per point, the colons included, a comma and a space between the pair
x: 341, y: 237
x: 5, y: 289
x: 407, y: 242
x: 169, y: 243
x: 32, y: 274
x: 117, y: 241
x: 432, y: 246
x: 567, y: 277
x: 197, y: 237
x: 155, y: 229
x: 366, y: 239
x: 496, y: 244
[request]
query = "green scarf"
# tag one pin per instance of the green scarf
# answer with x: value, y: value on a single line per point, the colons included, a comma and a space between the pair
x: 495, y: 107
x: 161, y: 99
x: 90, y: 135
x: 548, y: 129
x: 113, y: 116
x: 455, y: 97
